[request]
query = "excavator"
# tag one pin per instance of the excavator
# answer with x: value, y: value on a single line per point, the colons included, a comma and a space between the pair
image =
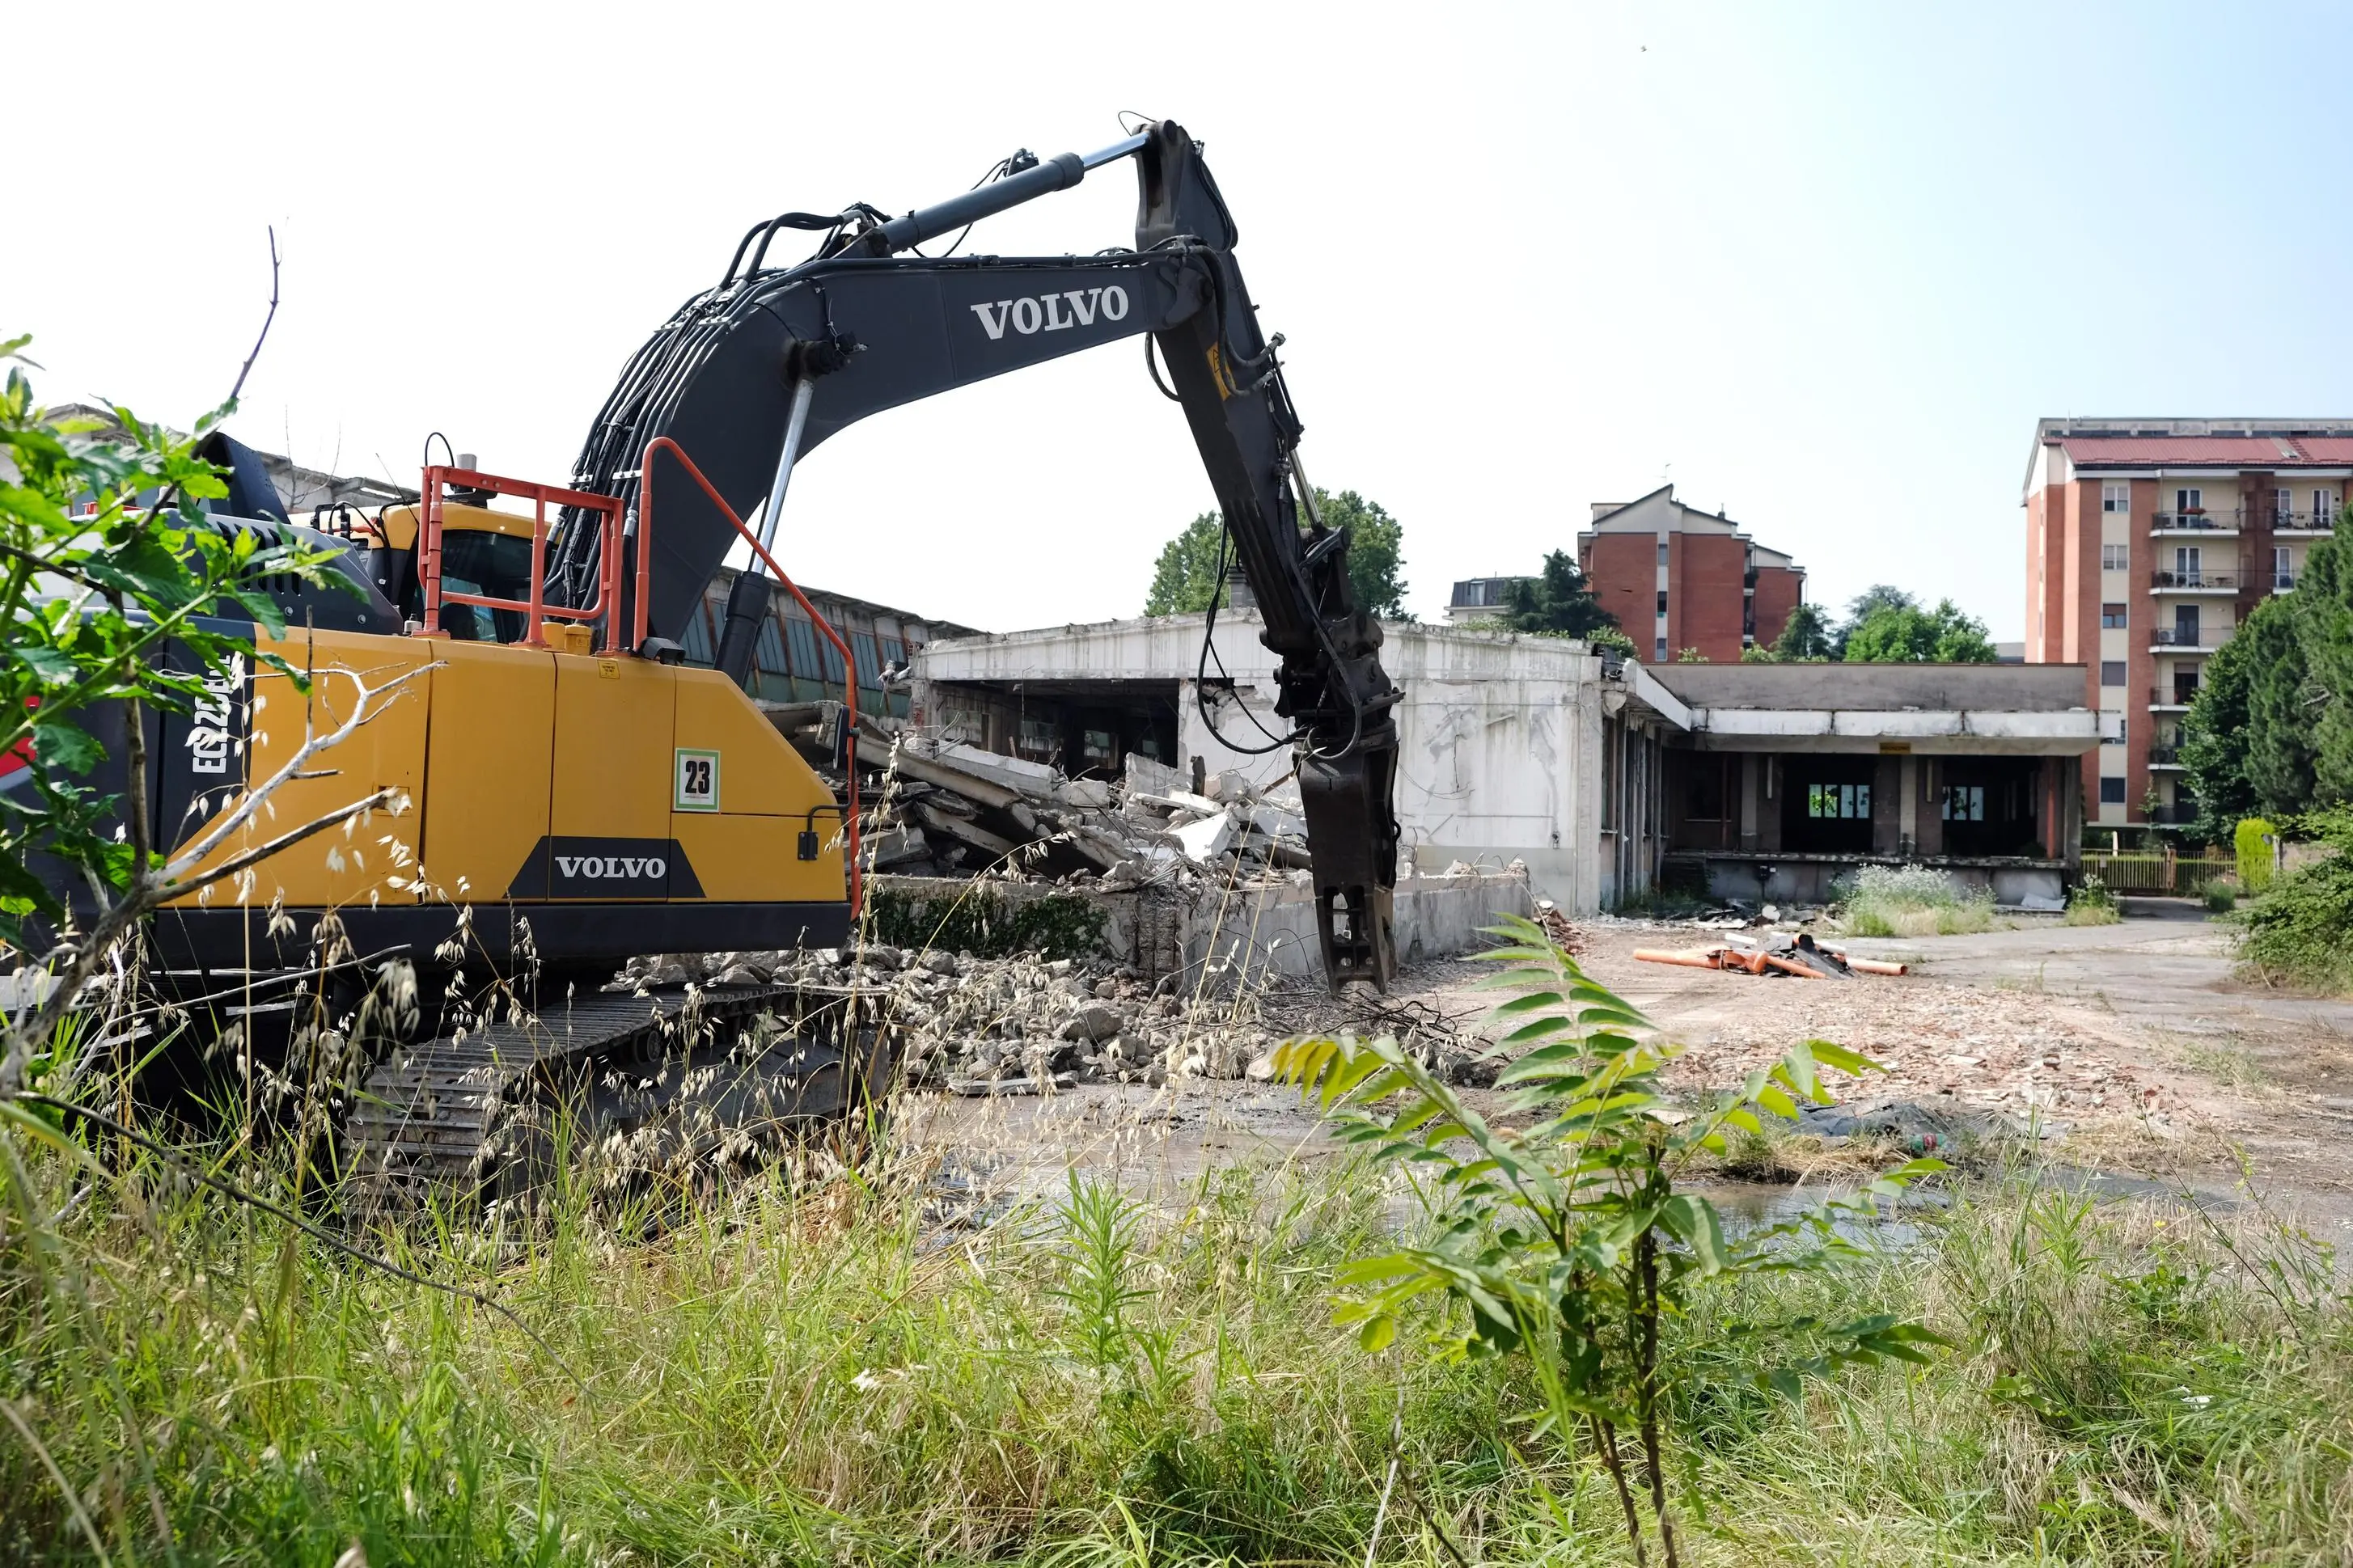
x: 576, y: 794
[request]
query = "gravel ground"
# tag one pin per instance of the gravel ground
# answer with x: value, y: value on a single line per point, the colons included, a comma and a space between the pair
x: 2127, y: 1048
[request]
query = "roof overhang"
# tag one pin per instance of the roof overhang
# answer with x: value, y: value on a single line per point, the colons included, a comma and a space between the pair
x: 1949, y: 731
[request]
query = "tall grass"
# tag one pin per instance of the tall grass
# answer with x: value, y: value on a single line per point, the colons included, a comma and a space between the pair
x: 828, y: 1370
x: 1911, y: 900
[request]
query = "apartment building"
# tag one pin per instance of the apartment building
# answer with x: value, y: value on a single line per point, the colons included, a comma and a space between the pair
x: 1677, y: 577
x: 2147, y: 543
x: 1480, y: 599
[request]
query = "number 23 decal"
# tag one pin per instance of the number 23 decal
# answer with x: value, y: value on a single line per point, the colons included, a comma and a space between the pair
x: 698, y: 782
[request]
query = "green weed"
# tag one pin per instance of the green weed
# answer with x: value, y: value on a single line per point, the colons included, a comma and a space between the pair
x: 815, y: 1371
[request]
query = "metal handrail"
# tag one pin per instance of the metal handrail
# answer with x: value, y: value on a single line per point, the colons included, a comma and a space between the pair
x: 2202, y: 521
x: 536, y: 609
x: 848, y: 661
x: 2199, y: 579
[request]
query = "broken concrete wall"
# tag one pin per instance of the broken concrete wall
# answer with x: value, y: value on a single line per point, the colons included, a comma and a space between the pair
x: 1499, y: 734
x: 1252, y: 934
x: 1245, y: 931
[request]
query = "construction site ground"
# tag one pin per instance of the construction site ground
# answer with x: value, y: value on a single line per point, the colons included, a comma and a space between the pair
x: 2129, y: 1056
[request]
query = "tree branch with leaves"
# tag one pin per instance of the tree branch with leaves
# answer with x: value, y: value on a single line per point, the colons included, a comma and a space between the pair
x: 121, y: 596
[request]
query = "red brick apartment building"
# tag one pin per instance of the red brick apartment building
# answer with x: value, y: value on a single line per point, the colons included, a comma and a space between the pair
x: 2147, y: 542
x: 1677, y: 577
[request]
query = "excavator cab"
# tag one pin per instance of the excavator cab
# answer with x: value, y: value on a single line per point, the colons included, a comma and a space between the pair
x: 486, y: 554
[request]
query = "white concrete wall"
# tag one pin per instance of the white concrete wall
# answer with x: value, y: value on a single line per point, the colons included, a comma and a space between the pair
x: 1498, y: 735
x: 1248, y: 934
x: 1498, y: 744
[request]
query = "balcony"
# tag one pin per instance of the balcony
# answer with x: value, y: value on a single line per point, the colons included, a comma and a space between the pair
x: 2176, y: 700
x: 2208, y: 522
x: 2283, y: 582
x: 2194, y: 582
x: 2164, y: 757
x: 2195, y: 639
x: 2174, y: 814
x: 2303, y: 524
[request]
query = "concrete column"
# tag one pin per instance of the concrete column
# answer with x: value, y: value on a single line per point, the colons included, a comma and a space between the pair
x: 1908, y: 820
x: 1750, y: 786
x: 2071, y: 814
x: 1886, y: 807
x: 1771, y: 779
x: 1930, y: 839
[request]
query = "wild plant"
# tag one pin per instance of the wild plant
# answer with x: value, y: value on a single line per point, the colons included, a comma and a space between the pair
x: 1573, y: 1241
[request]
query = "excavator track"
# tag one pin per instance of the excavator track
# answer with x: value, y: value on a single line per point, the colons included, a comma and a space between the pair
x: 669, y: 1079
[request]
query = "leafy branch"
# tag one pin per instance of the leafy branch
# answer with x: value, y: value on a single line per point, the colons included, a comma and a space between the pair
x: 1569, y: 1241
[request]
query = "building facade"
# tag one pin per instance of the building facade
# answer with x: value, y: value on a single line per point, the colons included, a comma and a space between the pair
x: 1676, y: 578
x: 1480, y: 598
x: 1597, y: 773
x: 2147, y: 543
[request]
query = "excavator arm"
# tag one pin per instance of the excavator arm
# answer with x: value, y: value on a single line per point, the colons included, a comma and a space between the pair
x: 752, y: 374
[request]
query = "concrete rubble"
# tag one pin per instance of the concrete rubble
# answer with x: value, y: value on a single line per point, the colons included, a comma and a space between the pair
x: 979, y: 1026
x: 946, y: 810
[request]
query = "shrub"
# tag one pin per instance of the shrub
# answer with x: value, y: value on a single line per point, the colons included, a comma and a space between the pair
x: 2301, y: 930
x: 2091, y: 902
x: 2221, y: 895
x: 985, y: 924
x: 2253, y: 842
x: 1911, y: 900
x: 1572, y: 1243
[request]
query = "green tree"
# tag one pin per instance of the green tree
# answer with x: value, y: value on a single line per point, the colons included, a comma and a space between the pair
x: 2289, y: 706
x: 108, y: 565
x: 1376, y: 552
x: 1184, y: 578
x: 1891, y: 634
x: 2213, y: 737
x: 1807, y: 634
x: 1557, y: 599
x: 1872, y: 600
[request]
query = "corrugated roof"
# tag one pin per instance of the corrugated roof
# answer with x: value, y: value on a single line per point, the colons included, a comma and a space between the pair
x: 2222, y: 451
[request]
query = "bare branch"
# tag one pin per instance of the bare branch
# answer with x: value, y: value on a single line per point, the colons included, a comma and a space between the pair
x: 247, y: 369
x: 167, y: 891
x: 146, y: 893
x: 294, y: 766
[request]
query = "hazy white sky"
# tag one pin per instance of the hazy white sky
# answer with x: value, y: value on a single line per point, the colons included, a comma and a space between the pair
x: 1822, y: 266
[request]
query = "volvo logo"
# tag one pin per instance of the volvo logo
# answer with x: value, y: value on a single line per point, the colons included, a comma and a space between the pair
x: 559, y: 866
x: 1052, y: 312
x: 653, y: 868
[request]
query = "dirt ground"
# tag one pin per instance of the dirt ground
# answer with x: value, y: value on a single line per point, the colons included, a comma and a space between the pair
x: 2131, y: 1053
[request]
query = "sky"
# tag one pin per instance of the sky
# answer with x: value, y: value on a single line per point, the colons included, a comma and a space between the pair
x: 1819, y: 266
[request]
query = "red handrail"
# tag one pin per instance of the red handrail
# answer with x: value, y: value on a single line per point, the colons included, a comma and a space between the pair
x: 535, y: 609
x: 848, y: 660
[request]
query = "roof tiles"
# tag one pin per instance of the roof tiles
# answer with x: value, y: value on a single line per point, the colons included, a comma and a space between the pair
x: 2222, y: 451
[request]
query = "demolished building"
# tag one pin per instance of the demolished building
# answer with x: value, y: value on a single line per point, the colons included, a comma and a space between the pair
x: 1600, y: 776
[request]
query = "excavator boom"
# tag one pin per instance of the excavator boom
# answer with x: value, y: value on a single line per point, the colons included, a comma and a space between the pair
x: 752, y: 374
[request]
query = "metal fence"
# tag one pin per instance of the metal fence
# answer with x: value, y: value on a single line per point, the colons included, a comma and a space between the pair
x: 2163, y: 875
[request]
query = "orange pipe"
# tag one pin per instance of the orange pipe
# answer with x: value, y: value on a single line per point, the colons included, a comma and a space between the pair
x: 1790, y: 966
x: 1874, y: 967
x: 1702, y: 958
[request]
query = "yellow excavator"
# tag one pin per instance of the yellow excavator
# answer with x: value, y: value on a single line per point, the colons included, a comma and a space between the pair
x: 575, y: 793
